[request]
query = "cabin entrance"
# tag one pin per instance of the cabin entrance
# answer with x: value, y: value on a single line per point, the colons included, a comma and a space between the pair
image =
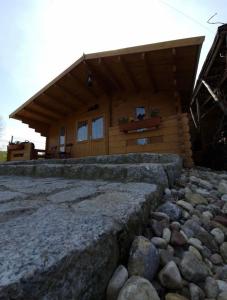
x: 90, y: 136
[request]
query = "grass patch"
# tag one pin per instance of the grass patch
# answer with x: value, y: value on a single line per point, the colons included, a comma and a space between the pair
x: 3, y: 155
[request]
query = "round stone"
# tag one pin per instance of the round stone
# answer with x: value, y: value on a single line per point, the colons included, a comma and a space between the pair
x: 138, y: 288
x: 185, y: 205
x: 173, y: 296
x: 143, y: 258
x: 222, y: 296
x: 216, y: 259
x: 222, y: 187
x: 166, y: 235
x: 116, y: 283
x: 195, y: 252
x: 171, y: 209
x: 159, y: 242
x: 222, y: 285
x: 223, y: 251
x: 195, y: 243
x: 177, y: 239
x: 196, y: 199
x: 196, y: 292
x: 211, y: 287
x: 170, y: 276
x: 175, y: 225
x: 192, y: 268
x: 218, y: 235
x: 224, y: 197
x: 224, y: 208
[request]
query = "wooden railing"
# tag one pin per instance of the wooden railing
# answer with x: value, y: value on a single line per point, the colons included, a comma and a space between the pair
x: 172, y: 136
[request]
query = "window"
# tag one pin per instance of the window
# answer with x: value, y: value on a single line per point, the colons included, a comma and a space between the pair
x: 143, y: 141
x: 82, y: 131
x: 140, y: 112
x: 62, y: 139
x: 97, y: 128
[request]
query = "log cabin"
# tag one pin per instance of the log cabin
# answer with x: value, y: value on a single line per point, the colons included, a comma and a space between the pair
x: 122, y: 101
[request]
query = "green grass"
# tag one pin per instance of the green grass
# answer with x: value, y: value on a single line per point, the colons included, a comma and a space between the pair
x: 3, y: 155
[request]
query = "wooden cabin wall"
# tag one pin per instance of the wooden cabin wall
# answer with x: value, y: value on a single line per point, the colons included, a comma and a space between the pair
x: 125, y: 105
x: 95, y: 147
x: 172, y: 137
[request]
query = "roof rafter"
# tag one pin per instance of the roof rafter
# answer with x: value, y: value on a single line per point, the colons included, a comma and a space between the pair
x: 111, y: 74
x: 69, y: 93
x: 46, y: 109
x: 42, y: 114
x: 54, y: 104
x: 69, y: 106
x: 149, y: 72
x: 33, y: 116
x: 129, y: 74
x: 38, y: 127
x: 82, y: 85
x: 97, y: 77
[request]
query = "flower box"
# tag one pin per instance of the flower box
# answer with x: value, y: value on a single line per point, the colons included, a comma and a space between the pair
x: 151, y: 123
x: 15, y: 146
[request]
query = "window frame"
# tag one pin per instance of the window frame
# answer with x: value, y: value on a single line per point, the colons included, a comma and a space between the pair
x: 87, y: 131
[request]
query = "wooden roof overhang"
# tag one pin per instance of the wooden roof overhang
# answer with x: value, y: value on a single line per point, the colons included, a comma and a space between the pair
x: 167, y: 66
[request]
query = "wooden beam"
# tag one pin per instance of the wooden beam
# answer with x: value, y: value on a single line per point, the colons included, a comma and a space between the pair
x: 67, y: 108
x: 46, y: 109
x: 97, y: 77
x: 67, y: 98
x: 149, y: 72
x: 54, y: 103
x: 174, y: 69
x: 51, y: 104
x: 34, y: 116
x: 39, y: 112
x: 82, y: 85
x: 69, y: 93
x: 109, y: 72
x: 129, y: 74
x: 37, y: 126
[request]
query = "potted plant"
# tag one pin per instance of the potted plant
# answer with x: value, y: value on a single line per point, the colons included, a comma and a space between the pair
x: 15, y: 146
x: 152, y: 122
x: 123, y: 120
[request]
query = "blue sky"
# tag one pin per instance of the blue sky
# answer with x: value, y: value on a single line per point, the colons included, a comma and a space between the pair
x: 41, y: 38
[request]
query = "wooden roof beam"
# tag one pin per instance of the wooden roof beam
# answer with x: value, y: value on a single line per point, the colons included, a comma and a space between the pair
x: 40, y: 113
x: 67, y: 99
x: 97, y: 77
x: 65, y: 107
x: 174, y: 69
x: 36, y: 125
x: 129, y: 73
x: 70, y: 94
x: 34, y: 116
x: 54, y: 105
x: 82, y: 85
x: 149, y: 72
x: 111, y: 74
x: 46, y: 110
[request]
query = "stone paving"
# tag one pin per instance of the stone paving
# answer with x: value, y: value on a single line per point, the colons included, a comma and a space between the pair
x: 62, y: 238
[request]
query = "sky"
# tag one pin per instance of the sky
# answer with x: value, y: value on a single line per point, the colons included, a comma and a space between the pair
x: 40, y: 38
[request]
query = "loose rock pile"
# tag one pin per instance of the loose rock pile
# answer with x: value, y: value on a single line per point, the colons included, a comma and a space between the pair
x: 183, y: 252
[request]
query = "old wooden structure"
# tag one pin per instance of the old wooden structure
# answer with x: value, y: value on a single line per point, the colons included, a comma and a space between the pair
x: 128, y: 100
x: 209, y: 106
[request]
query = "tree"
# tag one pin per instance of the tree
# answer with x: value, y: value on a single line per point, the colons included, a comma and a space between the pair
x: 1, y: 126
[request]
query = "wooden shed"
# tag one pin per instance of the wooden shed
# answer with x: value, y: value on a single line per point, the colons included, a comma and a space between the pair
x: 129, y: 100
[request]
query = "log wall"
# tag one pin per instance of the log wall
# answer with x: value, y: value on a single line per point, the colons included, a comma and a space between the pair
x: 172, y: 136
